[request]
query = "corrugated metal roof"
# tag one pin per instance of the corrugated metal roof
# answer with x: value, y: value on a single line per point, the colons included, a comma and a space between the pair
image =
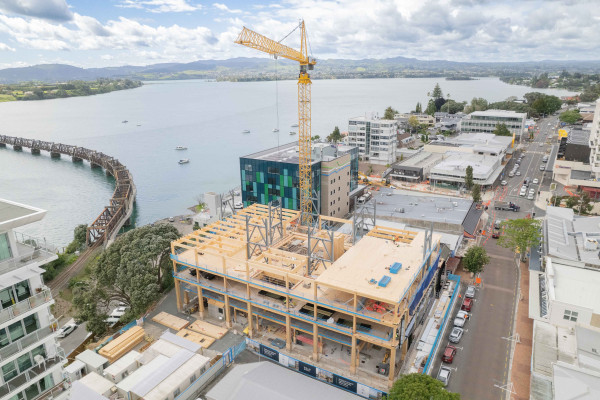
x: 472, y: 219
x: 157, y: 376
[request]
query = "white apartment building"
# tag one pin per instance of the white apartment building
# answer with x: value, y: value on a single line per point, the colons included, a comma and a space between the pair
x: 376, y: 139
x: 486, y: 121
x: 30, y: 360
x: 595, y: 142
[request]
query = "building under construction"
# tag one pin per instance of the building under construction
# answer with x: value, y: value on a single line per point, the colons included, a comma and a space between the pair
x: 346, y: 301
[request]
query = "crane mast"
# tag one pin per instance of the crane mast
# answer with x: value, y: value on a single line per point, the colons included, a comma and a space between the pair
x: 257, y: 41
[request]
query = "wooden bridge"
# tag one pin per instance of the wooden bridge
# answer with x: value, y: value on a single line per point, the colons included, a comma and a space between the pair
x: 119, y: 210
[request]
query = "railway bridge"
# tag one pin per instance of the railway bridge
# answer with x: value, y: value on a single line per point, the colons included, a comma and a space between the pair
x: 118, y: 213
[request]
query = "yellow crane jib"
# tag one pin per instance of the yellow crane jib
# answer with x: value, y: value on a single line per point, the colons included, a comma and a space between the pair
x: 262, y: 43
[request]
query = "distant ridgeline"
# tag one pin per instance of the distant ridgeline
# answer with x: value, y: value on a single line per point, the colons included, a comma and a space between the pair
x: 43, y: 91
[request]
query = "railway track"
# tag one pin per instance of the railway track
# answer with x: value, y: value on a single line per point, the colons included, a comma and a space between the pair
x: 62, y: 280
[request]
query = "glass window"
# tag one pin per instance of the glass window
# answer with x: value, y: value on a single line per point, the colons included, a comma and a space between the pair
x: 4, y: 247
x: 46, y: 383
x: 176, y: 392
x: 9, y: 371
x: 22, y: 289
x: 32, y: 391
x: 16, y: 331
x: 31, y: 323
x: 38, y: 350
x: 570, y: 315
x: 6, y: 297
x: 3, y: 338
x: 24, y: 362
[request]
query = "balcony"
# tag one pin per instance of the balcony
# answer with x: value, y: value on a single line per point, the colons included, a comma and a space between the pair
x: 20, y: 381
x: 45, y: 296
x: 27, y: 340
x: 30, y: 250
x: 56, y: 392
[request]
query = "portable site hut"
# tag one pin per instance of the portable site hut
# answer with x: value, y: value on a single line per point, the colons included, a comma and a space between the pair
x: 93, y: 361
x: 123, y: 367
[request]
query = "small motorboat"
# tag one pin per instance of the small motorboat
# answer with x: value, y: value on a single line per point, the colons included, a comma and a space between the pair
x: 246, y: 131
x: 184, y: 161
x: 124, y: 121
x: 180, y: 148
x: 292, y: 133
x: 275, y: 130
x: 294, y: 125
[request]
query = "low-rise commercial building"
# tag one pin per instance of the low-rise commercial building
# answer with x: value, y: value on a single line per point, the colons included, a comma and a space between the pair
x: 422, y: 119
x: 375, y: 138
x: 415, y: 168
x: 486, y: 121
x: 30, y: 359
x: 451, y: 171
x: 314, y: 292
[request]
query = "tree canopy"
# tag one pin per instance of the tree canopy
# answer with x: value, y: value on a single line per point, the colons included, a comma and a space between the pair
x: 475, y: 259
x: 420, y: 387
x: 134, y: 270
x: 335, y: 136
x: 431, y: 108
x: 469, y: 177
x: 437, y: 92
x: 570, y: 116
x: 520, y: 234
x: 389, y: 113
x: 418, y: 108
x: 502, y: 130
x: 476, y: 193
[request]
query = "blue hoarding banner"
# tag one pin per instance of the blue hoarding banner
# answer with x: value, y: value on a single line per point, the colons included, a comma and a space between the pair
x: 344, y: 383
x: 307, y: 369
x: 270, y: 353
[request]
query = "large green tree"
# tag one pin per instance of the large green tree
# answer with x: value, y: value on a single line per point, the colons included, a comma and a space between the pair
x: 477, y: 104
x: 475, y: 259
x: 502, y: 130
x: 418, y: 108
x: 570, y: 116
x: 431, y: 108
x: 476, y: 193
x: 389, y: 113
x: 420, y: 387
x: 134, y: 270
x: 413, y: 123
x: 437, y: 92
x: 520, y: 235
x: 335, y: 136
x: 469, y: 177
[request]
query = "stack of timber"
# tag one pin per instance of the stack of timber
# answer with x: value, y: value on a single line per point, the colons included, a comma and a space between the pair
x: 118, y: 347
x: 170, y: 321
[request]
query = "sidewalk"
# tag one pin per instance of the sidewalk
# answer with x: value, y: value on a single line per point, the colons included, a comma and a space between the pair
x: 520, y: 372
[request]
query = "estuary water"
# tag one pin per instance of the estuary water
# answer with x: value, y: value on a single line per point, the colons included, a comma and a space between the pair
x: 206, y: 117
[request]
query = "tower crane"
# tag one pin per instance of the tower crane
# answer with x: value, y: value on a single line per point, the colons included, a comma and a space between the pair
x: 257, y: 41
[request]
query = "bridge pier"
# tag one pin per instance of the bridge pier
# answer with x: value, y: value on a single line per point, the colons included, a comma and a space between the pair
x: 2, y: 145
x: 77, y: 159
x: 108, y: 173
x: 35, y: 151
x: 16, y: 147
x: 95, y: 165
x: 54, y: 154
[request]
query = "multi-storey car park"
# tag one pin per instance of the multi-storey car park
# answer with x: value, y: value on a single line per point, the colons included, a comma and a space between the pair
x: 325, y: 297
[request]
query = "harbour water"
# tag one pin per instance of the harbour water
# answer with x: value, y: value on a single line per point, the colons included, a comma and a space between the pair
x: 206, y: 117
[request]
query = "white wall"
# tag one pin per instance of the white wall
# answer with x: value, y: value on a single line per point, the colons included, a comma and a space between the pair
x: 557, y: 311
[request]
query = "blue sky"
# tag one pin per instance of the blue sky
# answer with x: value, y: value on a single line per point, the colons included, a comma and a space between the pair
x: 98, y: 33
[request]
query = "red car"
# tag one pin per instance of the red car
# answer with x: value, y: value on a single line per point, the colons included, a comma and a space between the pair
x: 496, y: 234
x: 449, y: 353
x: 467, y: 305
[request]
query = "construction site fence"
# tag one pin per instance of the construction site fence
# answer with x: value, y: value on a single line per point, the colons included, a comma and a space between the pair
x: 226, y: 359
x: 312, y: 371
x: 456, y: 279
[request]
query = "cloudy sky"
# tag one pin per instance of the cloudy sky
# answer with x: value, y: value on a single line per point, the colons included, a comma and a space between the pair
x: 94, y: 33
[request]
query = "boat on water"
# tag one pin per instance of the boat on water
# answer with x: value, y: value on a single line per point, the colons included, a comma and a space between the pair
x: 294, y: 125
x: 184, y: 161
x: 246, y: 131
x: 275, y: 130
x: 292, y: 133
x: 180, y: 148
x: 124, y: 121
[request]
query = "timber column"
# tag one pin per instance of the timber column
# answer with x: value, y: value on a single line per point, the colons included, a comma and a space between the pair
x: 177, y: 288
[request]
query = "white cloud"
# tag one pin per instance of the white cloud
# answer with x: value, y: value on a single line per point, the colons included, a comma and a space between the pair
x: 161, y: 6
x: 107, y: 57
x: 5, y: 47
x: 54, y: 10
x: 223, y: 7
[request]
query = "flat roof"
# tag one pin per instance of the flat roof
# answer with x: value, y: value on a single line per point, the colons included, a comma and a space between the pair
x: 577, y: 286
x: 92, y: 358
x: 122, y: 363
x: 571, y: 382
x: 404, y: 204
x: 163, y: 389
x: 13, y: 214
x: 420, y: 160
x: 499, y: 113
x: 369, y: 259
x: 579, y: 136
x: 288, y: 153
x: 268, y: 381
x: 572, y: 237
x: 97, y: 383
x: 483, y: 165
x: 79, y: 391
x: 155, y: 377
x: 142, y: 372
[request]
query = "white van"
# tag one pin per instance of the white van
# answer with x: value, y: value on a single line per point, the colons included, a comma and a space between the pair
x: 523, y: 190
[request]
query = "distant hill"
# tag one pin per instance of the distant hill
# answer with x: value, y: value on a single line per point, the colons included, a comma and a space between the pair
x: 264, y: 68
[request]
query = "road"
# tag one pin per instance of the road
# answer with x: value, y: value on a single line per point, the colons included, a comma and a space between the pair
x: 76, y: 337
x: 480, y: 368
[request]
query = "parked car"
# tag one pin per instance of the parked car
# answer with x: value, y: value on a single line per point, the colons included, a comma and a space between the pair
x: 66, y: 330
x: 455, y: 335
x: 530, y: 196
x: 448, y: 354
x: 504, y: 183
x: 542, y: 167
x: 523, y: 191
x: 511, y: 174
x: 444, y: 375
x: 518, y: 173
x: 541, y: 144
x: 470, y: 293
x: 461, y: 319
x: 495, y: 234
x: 467, y: 305
x: 536, y: 181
